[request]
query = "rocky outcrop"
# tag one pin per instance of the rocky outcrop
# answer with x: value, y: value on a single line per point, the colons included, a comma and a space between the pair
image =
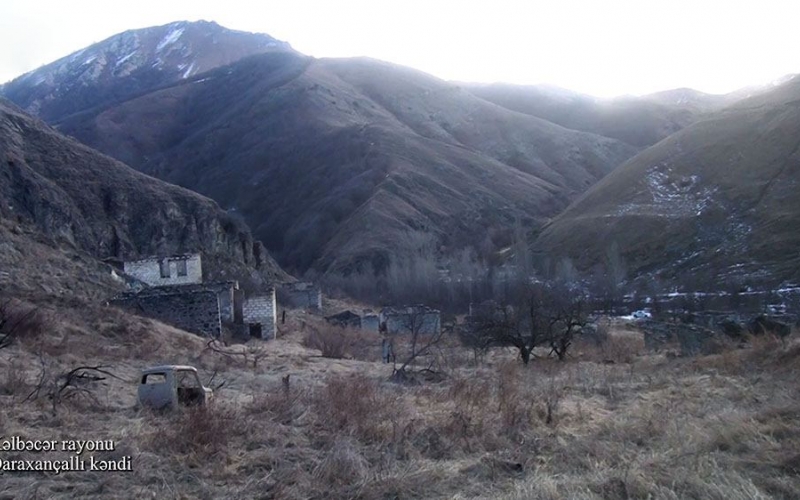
x: 89, y: 201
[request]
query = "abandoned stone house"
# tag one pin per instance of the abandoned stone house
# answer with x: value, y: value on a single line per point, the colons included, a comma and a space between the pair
x: 301, y: 295
x: 410, y: 319
x: 175, y: 270
x: 370, y: 321
x: 178, y: 296
x: 349, y: 319
x: 345, y: 319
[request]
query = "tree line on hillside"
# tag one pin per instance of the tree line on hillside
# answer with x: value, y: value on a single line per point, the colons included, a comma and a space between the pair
x: 472, y: 276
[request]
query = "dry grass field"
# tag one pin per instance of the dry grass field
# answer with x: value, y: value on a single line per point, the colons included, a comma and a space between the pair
x: 612, y: 422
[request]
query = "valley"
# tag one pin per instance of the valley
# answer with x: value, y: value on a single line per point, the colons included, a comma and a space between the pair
x: 390, y: 285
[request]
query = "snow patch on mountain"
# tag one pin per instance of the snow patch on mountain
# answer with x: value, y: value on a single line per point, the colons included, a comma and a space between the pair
x: 189, y: 71
x: 170, y: 38
x: 671, y: 195
x: 122, y: 60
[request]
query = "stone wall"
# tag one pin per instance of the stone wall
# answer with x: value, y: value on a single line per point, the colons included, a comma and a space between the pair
x: 370, y: 322
x: 301, y: 295
x: 195, y: 311
x: 405, y: 321
x: 150, y: 270
x: 262, y: 310
x: 228, y: 293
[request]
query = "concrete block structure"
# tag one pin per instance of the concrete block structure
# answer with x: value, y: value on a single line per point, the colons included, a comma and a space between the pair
x: 410, y: 319
x: 163, y: 271
x: 301, y: 295
x: 260, y: 315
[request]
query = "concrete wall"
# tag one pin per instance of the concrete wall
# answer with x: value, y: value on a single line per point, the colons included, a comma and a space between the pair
x: 262, y: 309
x: 149, y: 270
x: 195, y: 311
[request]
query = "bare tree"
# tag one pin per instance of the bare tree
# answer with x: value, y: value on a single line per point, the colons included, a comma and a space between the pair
x: 414, y: 322
x: 424, y: 336
x: 543, y: 315
x: 404, y: 374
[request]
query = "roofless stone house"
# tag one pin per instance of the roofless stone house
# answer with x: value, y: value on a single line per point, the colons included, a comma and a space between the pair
x: 176, y: 294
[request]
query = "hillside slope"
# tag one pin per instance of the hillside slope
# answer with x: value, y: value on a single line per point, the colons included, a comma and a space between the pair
x: 638, y: 121
x: 84, y: 200
x: 716, y: 202
x: 336, y: 164
x: 129, y: 63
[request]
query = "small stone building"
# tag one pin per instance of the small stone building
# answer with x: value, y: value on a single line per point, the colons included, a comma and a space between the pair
x: 345, y: 319
x: 301, y: 295
x: 410, y: 319
x: 260, y: 315
x: 161, y: 271
x: 178, y: 296
x: 370, y: 321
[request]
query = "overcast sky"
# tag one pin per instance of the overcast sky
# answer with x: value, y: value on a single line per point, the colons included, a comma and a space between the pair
x: 603, y: 48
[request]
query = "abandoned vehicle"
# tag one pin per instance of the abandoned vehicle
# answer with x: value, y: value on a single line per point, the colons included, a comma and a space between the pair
x: 171, y: 386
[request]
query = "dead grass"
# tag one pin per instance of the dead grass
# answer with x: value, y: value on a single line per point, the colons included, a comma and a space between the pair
x: 724, y: 426
x: 338, y: 343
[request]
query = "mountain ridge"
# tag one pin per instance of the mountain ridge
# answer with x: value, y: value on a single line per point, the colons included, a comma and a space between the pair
x: 127, y: 63
x: 713, y: 202
x: 273, y: 116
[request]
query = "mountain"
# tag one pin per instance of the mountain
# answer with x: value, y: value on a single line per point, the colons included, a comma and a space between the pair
x: 339, y: 163
x: 83, y: 200
x: 638, y: 121
x: 716, y: 201
x: 131, y: 62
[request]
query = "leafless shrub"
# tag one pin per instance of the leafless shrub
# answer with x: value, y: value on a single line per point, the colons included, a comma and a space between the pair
x: 201, y: 432
x: 19, y: 320
x: 356, y: 406
x: 77, y: 384
x: 343, y: 465
x: 332, y: 342
x: 282, y: 403
x: 14, y: 380
x: 615, y: 349
x: 513, y: 405
x: 472, y: 413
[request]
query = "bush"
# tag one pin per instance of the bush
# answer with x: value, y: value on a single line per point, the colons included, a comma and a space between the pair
x: 19, y: 320
x: 356, y: 406
x: 332, y: 342
x: 202, y: 430
x: 13, y: 381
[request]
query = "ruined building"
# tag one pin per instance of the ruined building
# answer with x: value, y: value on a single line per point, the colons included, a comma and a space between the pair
x: 410, y: 319
x: 178, y: 296
x: 176, y: 270
x: 301, y: 295
x: 349, y: 319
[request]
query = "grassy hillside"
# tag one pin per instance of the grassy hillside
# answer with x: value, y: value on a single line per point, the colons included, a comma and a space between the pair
x: 90, y: 202
x: 333, y: 163
x: 594, y: 427
x: 638, y: 121
x: 716, y: 200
